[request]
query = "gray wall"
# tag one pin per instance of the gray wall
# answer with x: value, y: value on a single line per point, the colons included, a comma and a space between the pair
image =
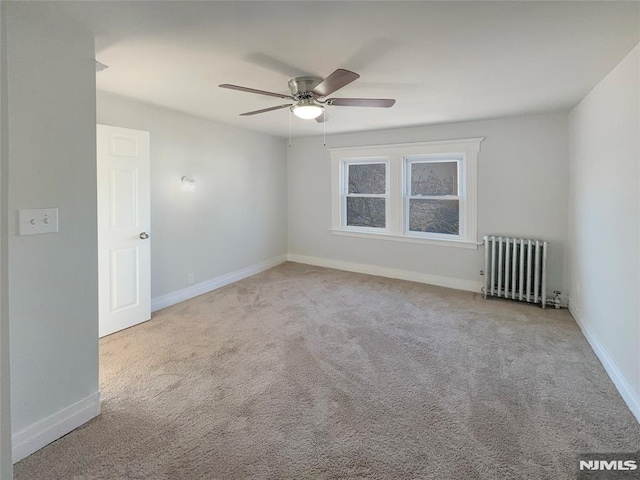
x: 237, y: 216
x: 522, y: 191
x: 53, y: 291
x: 604, y: 216
x: 5, y: 397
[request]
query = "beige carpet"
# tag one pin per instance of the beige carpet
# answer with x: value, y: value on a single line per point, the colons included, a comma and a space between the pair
x: 304, y: 372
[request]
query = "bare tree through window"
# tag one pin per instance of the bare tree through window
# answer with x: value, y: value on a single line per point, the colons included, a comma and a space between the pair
x: 431, y: 206
x: 366, y: 202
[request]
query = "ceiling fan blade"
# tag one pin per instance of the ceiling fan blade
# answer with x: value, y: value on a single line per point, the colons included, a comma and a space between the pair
x: 253, y: 90
x: 255, y: 112
x: 362, y: 102
x: 324, y: 117
x: 335, y: 81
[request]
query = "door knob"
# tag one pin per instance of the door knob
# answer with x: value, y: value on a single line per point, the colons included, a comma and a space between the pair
x: 144, y: 235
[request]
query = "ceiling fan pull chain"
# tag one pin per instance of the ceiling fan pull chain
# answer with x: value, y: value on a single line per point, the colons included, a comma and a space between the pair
x: 289, y: 128
x: 324, y: 129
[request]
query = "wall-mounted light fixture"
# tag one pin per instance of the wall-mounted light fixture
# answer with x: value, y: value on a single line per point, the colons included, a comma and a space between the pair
x: 100, y: 66
x: 188, y: 184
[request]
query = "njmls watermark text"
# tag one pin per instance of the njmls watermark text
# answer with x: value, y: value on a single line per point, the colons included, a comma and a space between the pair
x: 609, y: 465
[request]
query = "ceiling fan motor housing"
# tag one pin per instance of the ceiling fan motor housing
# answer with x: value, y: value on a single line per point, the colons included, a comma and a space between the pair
x: 301, y: 87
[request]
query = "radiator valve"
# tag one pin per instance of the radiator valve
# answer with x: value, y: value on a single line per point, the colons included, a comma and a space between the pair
x: 557, y: 303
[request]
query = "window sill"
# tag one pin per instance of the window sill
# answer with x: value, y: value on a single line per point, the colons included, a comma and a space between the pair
x: 408, y: 239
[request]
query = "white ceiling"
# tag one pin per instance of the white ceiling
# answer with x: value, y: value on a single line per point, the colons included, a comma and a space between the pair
x: 442, y: 61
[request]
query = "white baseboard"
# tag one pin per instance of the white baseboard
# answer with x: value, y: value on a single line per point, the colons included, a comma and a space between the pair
x: 45, y: 431
x: 185, y: 294
x: 457, y: 283
x: 630, y: 397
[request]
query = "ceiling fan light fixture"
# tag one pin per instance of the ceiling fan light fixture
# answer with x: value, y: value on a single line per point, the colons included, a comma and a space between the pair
x: 307, y: 110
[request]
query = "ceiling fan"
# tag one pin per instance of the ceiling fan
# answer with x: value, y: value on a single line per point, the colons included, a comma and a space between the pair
x: 309, y: 94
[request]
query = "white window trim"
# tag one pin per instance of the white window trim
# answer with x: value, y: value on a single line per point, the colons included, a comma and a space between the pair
x: 396, y: 223
x: 461, y: 197
x: 344, y: 193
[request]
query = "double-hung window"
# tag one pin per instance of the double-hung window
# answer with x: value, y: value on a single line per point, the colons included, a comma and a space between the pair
x: 433, y: 204
x: 365, y: 194
x: 417, y: 192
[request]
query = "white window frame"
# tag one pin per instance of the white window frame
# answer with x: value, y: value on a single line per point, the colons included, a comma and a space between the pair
x: 461, y: 198
x: 344, y: 193
x: 465, y: 151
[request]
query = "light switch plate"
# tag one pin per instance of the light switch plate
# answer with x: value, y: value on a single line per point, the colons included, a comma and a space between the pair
x: 38, y: 221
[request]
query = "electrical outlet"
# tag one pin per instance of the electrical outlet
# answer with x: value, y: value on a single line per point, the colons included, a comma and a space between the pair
x: 190, y: 279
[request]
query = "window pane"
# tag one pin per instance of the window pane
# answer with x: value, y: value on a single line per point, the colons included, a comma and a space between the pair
x: 366, y: 212
x: 435, y: 178
x: 368, y: 178
x: 434, y: 216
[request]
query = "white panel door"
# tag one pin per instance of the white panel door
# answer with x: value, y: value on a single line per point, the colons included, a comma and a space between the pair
x: 124, y: 253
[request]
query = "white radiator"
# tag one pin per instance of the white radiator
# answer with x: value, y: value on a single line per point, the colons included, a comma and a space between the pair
x: 515, y: 268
